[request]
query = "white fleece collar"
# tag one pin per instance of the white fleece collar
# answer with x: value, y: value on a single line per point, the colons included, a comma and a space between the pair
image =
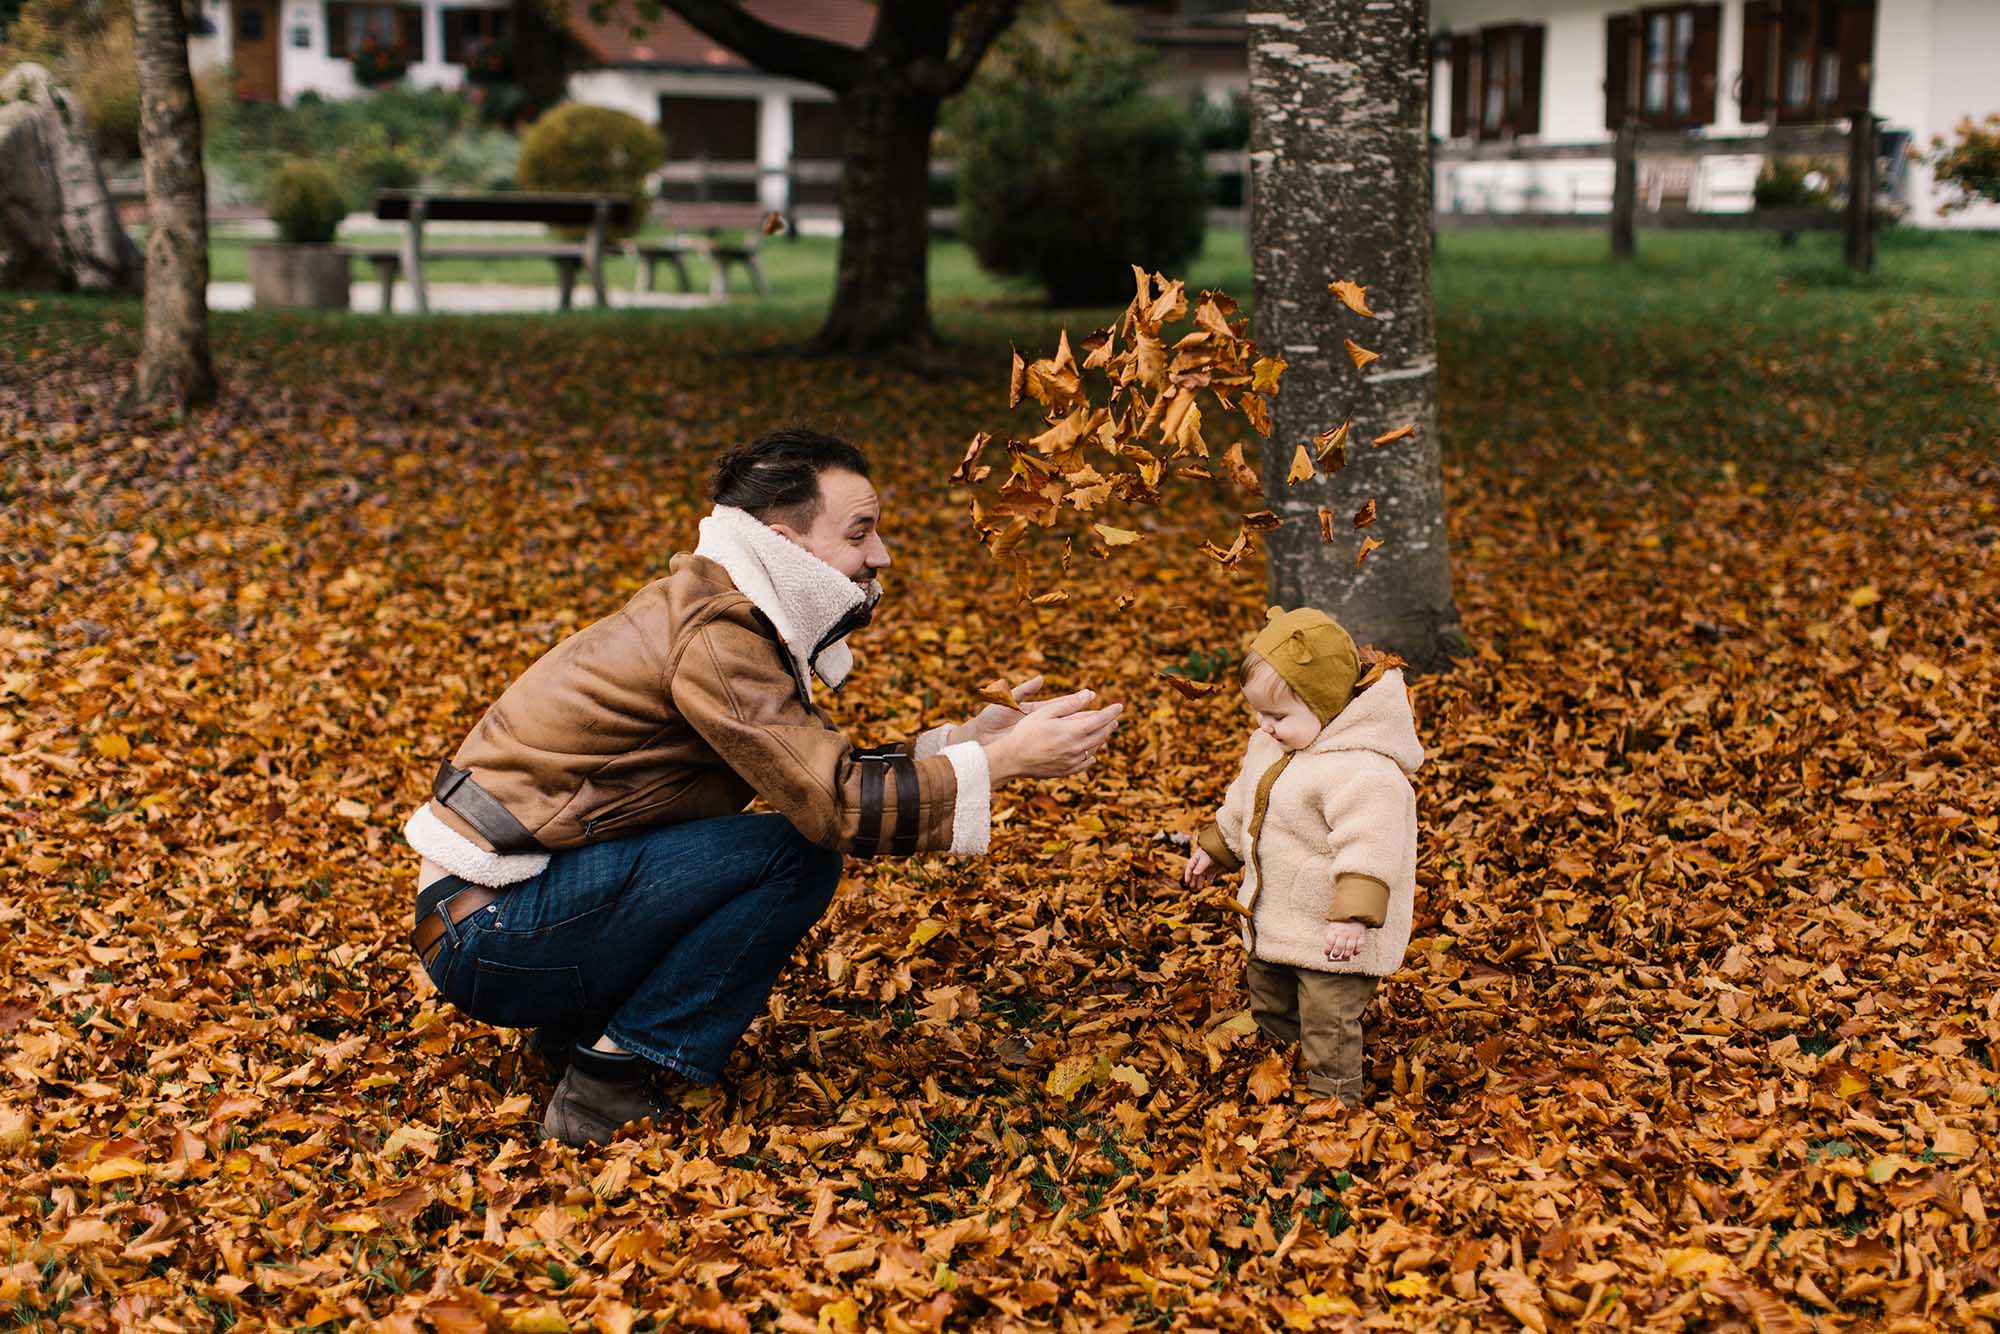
x: 804, y: 597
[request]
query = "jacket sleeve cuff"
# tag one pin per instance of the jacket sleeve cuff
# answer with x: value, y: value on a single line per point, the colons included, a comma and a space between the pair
x: 932, y: 743
x: 1358, y: 898
x: 972, y: 811
x: 1210, y: 841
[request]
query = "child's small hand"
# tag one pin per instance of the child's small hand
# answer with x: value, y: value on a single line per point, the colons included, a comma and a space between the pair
x: 1343, y: 940
x: 1200, y: 869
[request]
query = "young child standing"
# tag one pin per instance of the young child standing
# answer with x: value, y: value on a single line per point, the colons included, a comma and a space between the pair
x: 1323, y: 821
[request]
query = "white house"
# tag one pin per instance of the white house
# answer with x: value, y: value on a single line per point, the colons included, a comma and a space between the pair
x: 279, y: 49
x: 1568, y: 72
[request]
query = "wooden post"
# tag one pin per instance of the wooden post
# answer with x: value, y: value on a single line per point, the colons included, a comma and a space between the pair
x: 593, y: 251
x: 1624, y: 190
x: 1861, y: 193
x: 413, y: 253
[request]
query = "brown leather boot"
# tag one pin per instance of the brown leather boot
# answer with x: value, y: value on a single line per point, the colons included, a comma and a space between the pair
x: 600, y: 1092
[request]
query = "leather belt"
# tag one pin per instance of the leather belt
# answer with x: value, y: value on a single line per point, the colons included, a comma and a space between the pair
x: 463, y: 796
x: 447, y: 898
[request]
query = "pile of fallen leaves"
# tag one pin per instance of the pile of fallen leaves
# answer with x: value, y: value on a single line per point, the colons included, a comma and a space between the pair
x: 1698, y: 1025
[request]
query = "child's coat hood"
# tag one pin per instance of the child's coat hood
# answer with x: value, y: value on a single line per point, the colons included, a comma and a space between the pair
x: 1377, y: 719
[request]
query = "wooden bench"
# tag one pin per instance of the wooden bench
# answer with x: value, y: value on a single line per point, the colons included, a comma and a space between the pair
x: 599, y: 213
x: 731, y: 234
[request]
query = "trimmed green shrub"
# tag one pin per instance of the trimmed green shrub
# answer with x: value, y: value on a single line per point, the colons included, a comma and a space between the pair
x: 1792, y: 182
x: 305, y: 200
x: 1070, y: 170
x: 586, y: 148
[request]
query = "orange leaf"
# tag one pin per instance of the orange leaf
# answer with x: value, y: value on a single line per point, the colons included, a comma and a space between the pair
x: 1360, y: 355
x: 1352, y: 295
x: 773, y: 223
x: 1397, y: 434
x: 1332, y: 447
x: 1368, y: 544
x: 1366, y: 514
x: 1325, y: 524
x: 1302, y: 467
x: 1272, y: 1077
x: 1240, y: 472
x: 1187, y: 688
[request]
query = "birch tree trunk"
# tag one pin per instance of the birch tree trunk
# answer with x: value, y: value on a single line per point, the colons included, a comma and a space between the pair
x: 174, y: 368
x: 1340, y: 158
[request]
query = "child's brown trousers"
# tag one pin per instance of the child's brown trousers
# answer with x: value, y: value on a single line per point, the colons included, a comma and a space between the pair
x: 1321, y: 1012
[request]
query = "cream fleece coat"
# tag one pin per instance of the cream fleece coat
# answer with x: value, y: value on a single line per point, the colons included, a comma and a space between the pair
x: 1343, y: 804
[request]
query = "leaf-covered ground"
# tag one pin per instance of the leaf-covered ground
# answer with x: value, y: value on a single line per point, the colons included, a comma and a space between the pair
x: 1699, y: 1027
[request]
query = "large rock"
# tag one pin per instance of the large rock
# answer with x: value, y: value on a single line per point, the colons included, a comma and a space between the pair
x: 58, y: 229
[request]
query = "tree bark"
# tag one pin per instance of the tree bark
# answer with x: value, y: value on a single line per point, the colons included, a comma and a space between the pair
x: 920, y: 52
x: 881, y: 296
x: 174, y: 366
x: 1340, y: 152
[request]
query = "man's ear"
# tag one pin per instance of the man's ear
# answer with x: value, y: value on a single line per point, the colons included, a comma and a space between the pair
x: 789, y: 533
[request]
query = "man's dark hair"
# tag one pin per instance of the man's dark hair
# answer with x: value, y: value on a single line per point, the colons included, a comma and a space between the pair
x: 776, y: 476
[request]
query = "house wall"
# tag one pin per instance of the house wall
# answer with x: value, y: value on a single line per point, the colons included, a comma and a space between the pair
x: 309, y: 68
x: 1935, y: 61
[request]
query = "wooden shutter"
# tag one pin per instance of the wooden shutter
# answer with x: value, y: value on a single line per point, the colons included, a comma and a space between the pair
x: 1702, y: 59
x: 1857, y: 57
x: 410, y: 31
x: 336, y: 29
x: 1618, y: 33
x: 1463, y: 95
x: 1754, y: 83
x: 1530, y: 119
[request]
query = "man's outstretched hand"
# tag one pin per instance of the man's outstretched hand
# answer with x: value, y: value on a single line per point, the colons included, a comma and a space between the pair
x: 996, y: 720
x: 1060, y: 737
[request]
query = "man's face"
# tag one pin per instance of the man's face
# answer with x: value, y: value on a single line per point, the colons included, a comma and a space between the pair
x: 845, y: 534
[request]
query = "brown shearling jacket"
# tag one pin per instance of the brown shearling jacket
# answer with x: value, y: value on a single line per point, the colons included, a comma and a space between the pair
x: 682, y: 705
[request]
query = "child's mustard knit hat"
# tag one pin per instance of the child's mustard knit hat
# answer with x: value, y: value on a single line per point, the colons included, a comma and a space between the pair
x: 1311, y: 654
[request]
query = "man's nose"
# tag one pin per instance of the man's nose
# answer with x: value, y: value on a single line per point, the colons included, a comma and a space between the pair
x: 878, y: 555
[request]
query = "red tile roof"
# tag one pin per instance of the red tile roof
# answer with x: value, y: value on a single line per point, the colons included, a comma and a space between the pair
x: 670, y: 42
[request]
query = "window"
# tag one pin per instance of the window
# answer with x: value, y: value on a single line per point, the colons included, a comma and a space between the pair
x: 1807, y: 60
x: 464, y: 27
x: 249, y: 24
x: 1659, y: 66
x: 1496, y: 81
x: 400, y: 25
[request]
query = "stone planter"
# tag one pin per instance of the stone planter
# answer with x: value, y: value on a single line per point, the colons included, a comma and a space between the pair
x: 313, y: 277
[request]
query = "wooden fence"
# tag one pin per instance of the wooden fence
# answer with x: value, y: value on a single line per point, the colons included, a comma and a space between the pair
x: 1859, y: 146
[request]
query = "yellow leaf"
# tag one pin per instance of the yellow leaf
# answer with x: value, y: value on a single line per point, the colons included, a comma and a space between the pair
x: 1411, y: 1285
x: 1115, y: 537
x: 1850, y: 1084
x: 115, y: 1169
x: 112, y: 745
x: 359, y: 1221
x: 1133, y: 1079
x: 1887, y: 1166
x: 1865, y: 596
x: 85, y: 1231
x: 1360, y: 355
x: 1352, y: 295
x: 1302, y: 467
x: 1327, y: 1303
x: 349, y: 808
x: 1368, y: 544
x: 537, y: 1320
x: 840, y: 1317
x: 1696, y: 1262
x: 1242, y: 1022
x: 925, y: 932
x: 1390, y: 437
x: 1072, y: 1075
x: 1050, y: 599
x: 1926, y: 672
x: 1264, y: 374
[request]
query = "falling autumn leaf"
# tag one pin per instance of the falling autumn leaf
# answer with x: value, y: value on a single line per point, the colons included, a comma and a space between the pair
x: 1389, y: 437
x: 1115, y: 537
x: 1240, y: 472
x: 1325, y: 524
x: 1366, y: 514
x: 1188, y: 689
x: 1332, y: 447
x: 774, y: 223
x: 1360, y: 355
x: 1368, y: 544
x: 1352, y: 295
x: 1302, y: 467
x: 1264, y: 374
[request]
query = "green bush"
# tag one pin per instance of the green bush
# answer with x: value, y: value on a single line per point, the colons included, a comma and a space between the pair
x: 1070, y: 170
x: 305, y: 200
x: 372, y: 161
x: 1792, y: 182
x: 1969, y: 167
x: 586, y: 148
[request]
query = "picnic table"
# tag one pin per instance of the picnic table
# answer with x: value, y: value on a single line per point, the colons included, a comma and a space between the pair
x: 597, y: 212
x: 731, y: 234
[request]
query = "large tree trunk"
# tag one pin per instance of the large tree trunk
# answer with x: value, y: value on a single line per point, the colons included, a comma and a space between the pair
x: 881, y: 297
x: 174, y: 367
x: 1338, y: 92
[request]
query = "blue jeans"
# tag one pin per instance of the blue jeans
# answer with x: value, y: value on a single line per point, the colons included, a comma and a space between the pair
x: 668, y: 942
